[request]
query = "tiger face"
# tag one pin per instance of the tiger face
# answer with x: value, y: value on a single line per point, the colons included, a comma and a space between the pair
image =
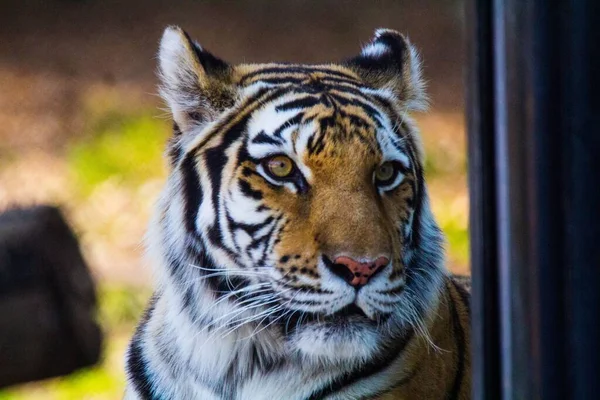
x: 296, y: 196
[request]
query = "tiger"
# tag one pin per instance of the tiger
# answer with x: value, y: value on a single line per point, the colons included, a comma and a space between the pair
x: 295, y: 253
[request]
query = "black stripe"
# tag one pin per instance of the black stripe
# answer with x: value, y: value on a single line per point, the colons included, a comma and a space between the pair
x: 304, y: 288
x: 192, y: 192
x: 174, y: 149
x: 264, y: 239
x: 315, y: 147
x: 230, y: 284
x: 357, y: 92
x: 295, y: 302
x: 263, y: 138
x: 398, y: 145
x: 250, y: 229
x: 459, y: 336
x: 394, y: 291
x: 311, y: 86
x: 301, y: 103
x: 248, y: 191
x: 415, y: 232
x: 369, y: 110
x: 136, y: 365
x: 385, y: 103
x: 356, y: 120
x: 290, y: 122
x: 282, y: 81
x: 365, y: 372
x: 216, y: 238
x: 294, y: 69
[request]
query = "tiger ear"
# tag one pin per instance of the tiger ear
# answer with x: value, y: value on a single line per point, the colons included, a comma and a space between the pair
x: 195, y: 84
x: 389, y: 61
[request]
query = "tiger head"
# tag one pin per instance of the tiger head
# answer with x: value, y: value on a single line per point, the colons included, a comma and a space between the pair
x: 296, y: 197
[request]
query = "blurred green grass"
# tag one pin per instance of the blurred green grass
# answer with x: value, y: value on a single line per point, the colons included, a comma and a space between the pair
x: 127, y: 148
x: 457, y: 237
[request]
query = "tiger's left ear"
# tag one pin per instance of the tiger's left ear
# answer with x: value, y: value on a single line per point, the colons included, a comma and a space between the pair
x: 389, y: 61
x: 195, y: 84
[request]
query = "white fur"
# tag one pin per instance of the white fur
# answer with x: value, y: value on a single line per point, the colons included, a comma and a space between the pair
x: 178, y: 73
x: 375, y: 50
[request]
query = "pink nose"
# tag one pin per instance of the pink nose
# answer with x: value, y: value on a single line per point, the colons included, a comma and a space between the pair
x: 358, y: 273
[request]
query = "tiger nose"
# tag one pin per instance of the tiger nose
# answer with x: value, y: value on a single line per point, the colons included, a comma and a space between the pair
x: 357, y: 273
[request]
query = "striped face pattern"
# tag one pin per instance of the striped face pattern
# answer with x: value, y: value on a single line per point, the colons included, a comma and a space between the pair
x: 296, y: 197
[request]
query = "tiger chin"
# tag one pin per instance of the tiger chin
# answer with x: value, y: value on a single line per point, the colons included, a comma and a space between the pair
x: 295, y: 252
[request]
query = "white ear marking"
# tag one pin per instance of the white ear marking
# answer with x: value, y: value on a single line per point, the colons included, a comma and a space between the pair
x: 172, y: 51
x: 178, y: 72
x: 389, y: 61
x: 374, y: 50
x: 177, y: 58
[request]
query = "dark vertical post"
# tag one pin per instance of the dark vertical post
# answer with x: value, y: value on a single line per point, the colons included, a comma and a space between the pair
x: 513, y: 99
x: 539, y: 253
x: 580, y: 65
x: 480, y: 111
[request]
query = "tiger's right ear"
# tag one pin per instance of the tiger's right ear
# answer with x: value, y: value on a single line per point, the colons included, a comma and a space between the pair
x: 195, y: 84
x: 389, y: 61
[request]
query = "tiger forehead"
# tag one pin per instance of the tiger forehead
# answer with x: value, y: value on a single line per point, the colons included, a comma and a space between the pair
x: 321, y: 110
x: 341, y: 129
x: 324, y: 121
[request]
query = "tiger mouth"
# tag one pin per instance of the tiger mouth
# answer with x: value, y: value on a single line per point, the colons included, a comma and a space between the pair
x: 349, y: 311
x: 350, y: 315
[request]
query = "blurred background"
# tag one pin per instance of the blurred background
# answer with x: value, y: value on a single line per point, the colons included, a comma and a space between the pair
x: 81, y: 126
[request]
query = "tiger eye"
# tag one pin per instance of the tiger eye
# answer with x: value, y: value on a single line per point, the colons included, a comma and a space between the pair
x: 280, y: 166
x: 384, y: 172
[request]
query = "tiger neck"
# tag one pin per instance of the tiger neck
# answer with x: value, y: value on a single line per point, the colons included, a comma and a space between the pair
x: 240, y: 364
x: 227, y: 366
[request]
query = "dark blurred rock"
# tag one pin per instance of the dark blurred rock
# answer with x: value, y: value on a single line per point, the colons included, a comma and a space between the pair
x: 47, y: 298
